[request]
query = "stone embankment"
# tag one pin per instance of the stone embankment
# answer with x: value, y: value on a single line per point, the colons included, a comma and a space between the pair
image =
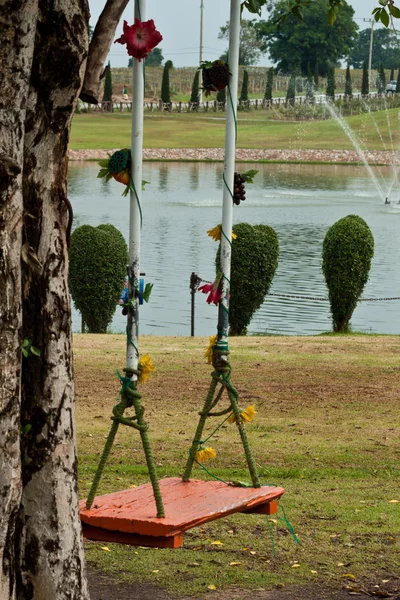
x: 242, y: 154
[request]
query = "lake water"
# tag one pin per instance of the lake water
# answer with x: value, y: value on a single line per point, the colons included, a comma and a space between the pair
x: 183, y: 201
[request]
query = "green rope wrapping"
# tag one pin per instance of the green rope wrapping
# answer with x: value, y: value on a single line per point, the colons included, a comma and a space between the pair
x: 129, y: 396
x: 101, y: 465
x: 118, y: 412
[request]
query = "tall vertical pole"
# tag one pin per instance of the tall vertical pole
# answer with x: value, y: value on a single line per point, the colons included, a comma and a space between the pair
x: 371, y: 39
x: 229, y: 169
x: 201, y: 51
x: 135, y: 217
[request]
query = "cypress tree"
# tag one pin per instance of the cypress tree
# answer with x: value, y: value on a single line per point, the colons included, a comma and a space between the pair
x: 365, y: 81
x: 165, y: 91
x: 392, y: 74
x: 291, y: 91
x: 244, y: 94
x: 194, y: 97
x: 316, y: 75
x: 221, y: 96
x: 299, y: 81
x: 380, y: 79
x: 398, y: 82
x: 269, y: 86
x: 310, y: 96
x: 107, y: 95
x: 330, y: 84
x: 348, y: 88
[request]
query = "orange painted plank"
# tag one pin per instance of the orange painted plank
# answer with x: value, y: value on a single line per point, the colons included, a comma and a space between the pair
x: 187, y: 504
x: 132, y: 539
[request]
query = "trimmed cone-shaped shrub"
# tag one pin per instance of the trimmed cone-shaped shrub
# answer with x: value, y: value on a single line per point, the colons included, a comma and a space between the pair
x: 221, y: 96
x: 97, y: 267
x: 365, y: 80
x: 330, y: 84
x: 291, y: 91
x: 255, y: 254
x: 398, y: 82
x: 381, y: 79
x: 348, y: 86
x: 347, y: 252
x: 165, y: 87
x: 107, y: 95
x: 194, y: 97
x: 244, y: 94
x: 269, y: 85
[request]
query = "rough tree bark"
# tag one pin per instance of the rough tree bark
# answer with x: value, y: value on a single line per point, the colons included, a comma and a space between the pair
x: 43, y: 55
x: 16, y: 51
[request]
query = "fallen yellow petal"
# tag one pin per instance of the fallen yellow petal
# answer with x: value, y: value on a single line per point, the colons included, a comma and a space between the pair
x: 212, y: 587
x: 235, y: 563
x: 349, y: 575
x: 155, y: 570
x: 295, y: 566
x: 314, y: 572
x: 394, y: 501
x: 340, y: 564
x: 253, y: 552
x: 105, y: 548
x: 217, y: 543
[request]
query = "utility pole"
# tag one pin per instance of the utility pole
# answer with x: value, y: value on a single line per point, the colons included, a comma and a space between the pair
x: 372, y: 21
x: 201, y: 51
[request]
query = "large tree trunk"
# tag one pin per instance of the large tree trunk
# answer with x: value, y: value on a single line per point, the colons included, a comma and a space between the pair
x: 49, y: 550
x: 16, y: 51
x: 43, y: 53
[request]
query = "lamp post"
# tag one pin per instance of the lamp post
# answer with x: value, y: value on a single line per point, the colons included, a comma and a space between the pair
x: 201, y: 51
x: 372, y: 21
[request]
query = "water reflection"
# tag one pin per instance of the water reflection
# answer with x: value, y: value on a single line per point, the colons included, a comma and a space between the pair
x: 300, y: 202
x: 163, y: 177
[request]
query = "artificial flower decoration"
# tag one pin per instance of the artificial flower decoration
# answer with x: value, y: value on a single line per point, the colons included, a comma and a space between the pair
x: 145, y: 368
x: 246, y: 415
x: 216, y: 232
x: 209, y: 352
x: 205, y: 454
x: 215, y: 76
x: 213, y: 290
x: 140, y: 38
x: 118, y: 166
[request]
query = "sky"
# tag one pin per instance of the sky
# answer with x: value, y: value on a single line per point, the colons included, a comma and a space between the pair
x: 179, y: 23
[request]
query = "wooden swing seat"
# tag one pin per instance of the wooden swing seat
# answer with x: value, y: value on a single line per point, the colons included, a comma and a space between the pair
x: 128, y: 517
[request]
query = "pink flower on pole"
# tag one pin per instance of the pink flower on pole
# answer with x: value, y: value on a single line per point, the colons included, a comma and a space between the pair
x: 213, y: 291
x: 140, y: 38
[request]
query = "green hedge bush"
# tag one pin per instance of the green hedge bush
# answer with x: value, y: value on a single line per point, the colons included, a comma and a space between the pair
x: 97, y: 267
x: 347, y: 252
x: 255, y: 254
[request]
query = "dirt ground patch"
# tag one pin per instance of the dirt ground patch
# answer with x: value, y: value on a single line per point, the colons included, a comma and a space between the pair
x: 102, y: 587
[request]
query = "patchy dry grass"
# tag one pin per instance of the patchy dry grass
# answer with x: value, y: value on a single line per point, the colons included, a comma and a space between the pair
x: 326, y: 429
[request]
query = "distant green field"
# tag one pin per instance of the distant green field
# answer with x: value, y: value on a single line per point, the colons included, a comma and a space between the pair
x: 377, y: 131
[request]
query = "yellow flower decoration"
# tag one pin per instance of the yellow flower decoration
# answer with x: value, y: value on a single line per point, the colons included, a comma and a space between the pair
x: 145, y: 367
x: 216, y: 232
x: 209, y: 352
x: 246, y: 415
x: 205, y: 454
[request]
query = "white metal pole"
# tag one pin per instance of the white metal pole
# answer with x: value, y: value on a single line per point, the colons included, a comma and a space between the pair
x: 229, y: 169
x: 201, y: 51
x: 132, y: 348
x: 371, y: 39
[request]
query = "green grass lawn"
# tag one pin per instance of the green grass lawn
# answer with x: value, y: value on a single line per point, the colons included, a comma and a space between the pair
x: 377, y: 131
x: 326, y: 429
